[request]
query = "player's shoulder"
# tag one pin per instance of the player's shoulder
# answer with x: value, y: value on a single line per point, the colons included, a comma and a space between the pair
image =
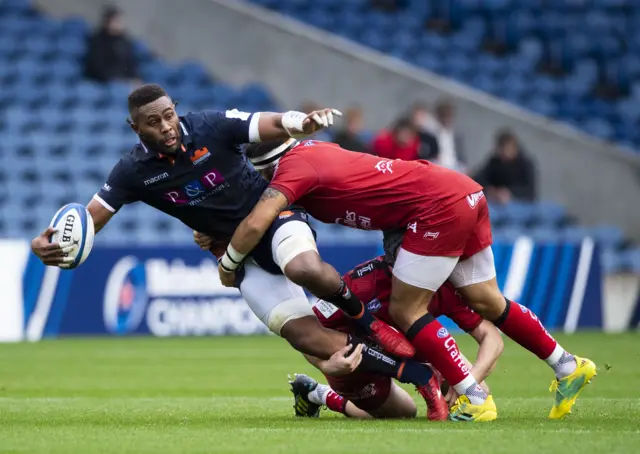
x: 209, y: 118
x: 312, y: 151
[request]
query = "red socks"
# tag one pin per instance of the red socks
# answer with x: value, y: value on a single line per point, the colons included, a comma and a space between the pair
x: 524, y: 327
x: 435, y: 345
x: 335, y: 402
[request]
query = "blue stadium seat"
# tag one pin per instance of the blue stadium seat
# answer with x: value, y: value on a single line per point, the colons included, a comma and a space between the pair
x: 599, y: 128
x: 519, y: 213
x: 574, y: 233
x: 549, y: 214
x: 612, y: 262
x: 65, y: 71
x: 544, y: 234
x: 632, y: 260
x: 608, y: 236
x: 507, y: 234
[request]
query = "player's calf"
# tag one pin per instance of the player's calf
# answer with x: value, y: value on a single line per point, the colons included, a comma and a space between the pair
x: 433, y: 343
x: 519, y: 323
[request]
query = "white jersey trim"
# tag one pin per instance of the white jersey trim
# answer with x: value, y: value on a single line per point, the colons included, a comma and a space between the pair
x: 254, y: 128
x: 101, y: 201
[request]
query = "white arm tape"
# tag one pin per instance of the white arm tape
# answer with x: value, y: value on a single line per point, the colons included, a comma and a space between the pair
x: 234, y: 255
x: 292, y: 123
x: 232, y: 258
x: 227, y: 264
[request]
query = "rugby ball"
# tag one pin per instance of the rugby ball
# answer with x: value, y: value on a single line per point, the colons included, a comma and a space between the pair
x: 75, y: 225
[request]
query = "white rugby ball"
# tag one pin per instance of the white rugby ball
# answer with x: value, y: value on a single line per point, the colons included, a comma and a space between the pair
x: 75, y: 225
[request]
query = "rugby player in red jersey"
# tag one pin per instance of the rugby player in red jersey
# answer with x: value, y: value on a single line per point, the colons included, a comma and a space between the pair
x: 366, y: 395
x: 447, y: 236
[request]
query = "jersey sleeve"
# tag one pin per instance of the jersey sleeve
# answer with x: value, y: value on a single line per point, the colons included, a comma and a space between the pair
x: 118, y: 189
x: 295, y: 177
x: 233, y: 126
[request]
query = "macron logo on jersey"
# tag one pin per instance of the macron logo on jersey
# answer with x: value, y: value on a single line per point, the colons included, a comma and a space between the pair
x: 155, y: 179
x: 106, y: 187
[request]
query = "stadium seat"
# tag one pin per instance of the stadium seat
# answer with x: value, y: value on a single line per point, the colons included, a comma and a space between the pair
x: 608, y: 236
x: 530, y: 36
x: 549, y: 214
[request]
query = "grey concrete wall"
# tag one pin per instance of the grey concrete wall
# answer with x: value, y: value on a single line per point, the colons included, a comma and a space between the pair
x: 242, y: 43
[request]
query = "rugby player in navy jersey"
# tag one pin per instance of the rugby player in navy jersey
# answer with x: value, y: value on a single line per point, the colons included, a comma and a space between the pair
x: 192, y: 168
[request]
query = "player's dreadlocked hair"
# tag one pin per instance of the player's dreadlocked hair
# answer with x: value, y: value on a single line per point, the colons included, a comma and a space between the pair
x: 143, y: 95
x: 266, y: 154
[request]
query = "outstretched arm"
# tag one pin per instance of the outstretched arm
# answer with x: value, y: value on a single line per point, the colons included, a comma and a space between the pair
x: 278, y: 126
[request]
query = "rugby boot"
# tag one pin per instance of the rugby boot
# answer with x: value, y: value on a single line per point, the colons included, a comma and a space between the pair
x: 390, y: 339
x: 464, y: 410
x: 301, y: 386
x: 437, y: 408
x: 568, y: 388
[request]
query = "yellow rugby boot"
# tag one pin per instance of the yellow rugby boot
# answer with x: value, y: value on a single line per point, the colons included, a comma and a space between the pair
x: 464, y: 410
x: 568, y: 388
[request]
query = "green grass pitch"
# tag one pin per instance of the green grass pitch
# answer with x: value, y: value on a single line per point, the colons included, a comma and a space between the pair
x: 230, y: 395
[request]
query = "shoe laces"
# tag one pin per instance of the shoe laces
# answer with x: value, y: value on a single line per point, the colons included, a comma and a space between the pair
x: 457, y: 406
x: 555, y: 386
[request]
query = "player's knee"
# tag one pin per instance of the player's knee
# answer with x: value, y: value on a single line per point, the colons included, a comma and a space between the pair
x: 298, y: 334
x: 405, y: 315
x: 485, y: 299
x: 306, y: 269
x: 307, y: 336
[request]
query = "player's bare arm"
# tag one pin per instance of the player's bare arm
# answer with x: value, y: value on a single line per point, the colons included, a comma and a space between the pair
x: 490, y: 346
x: 99, y: 214
x: 250, y: 232
x: 338, y: 364
x: 277, y: 126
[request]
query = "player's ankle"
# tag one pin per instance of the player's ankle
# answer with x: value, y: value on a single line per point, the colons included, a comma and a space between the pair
x: 319, y: 394
x: 562, y: 362
x: 470, y: 388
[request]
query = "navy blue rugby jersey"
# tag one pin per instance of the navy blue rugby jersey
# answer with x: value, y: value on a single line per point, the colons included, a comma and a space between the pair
x: 210, y: 186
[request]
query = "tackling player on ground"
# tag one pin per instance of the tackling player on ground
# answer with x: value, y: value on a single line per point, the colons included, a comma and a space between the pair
x: 447, y: 236
x: 365, y: 395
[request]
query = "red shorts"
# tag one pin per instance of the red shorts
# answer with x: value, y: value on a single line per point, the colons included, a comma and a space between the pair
x: 462, y: 230
x: 367, y: 391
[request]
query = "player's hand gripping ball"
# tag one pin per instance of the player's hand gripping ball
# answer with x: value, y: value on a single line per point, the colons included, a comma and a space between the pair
x: 68, y: 240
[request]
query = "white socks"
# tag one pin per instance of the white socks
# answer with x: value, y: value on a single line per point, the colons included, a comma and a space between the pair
x: 472, y: 390
x: 562, y: 362
x: 319, y: 395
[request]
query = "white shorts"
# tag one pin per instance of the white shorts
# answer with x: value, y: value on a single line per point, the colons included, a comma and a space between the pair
x: 273, y: 298
x: 290, y: 240
x: 431, y: 272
